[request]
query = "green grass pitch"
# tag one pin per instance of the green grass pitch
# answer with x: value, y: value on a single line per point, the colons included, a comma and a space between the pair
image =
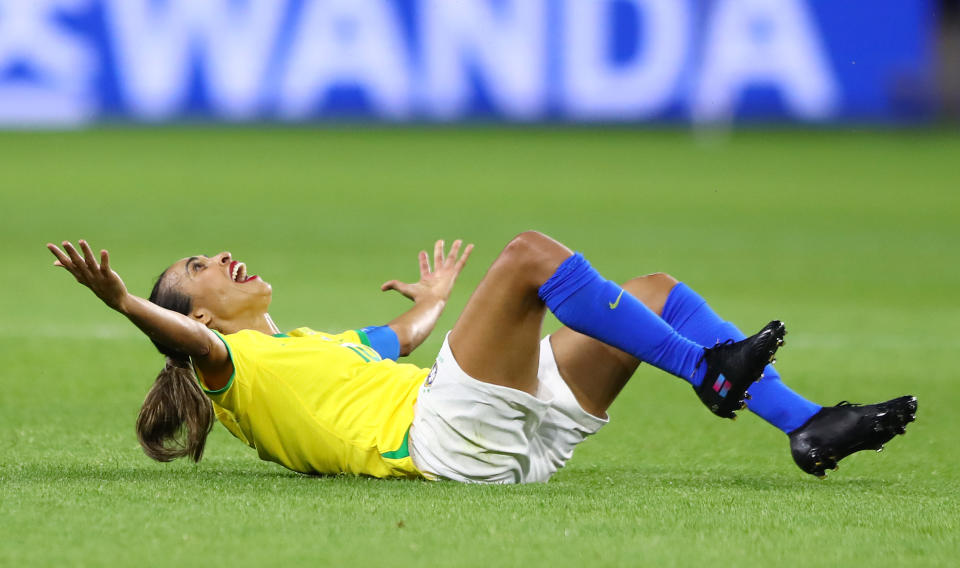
x: 852, y: 238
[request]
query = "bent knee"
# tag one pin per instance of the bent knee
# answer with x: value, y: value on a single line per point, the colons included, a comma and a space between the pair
x: 657, y: 280
x: 660, y: 280
x: 525, y: 243
x: 652, y: 289
x: 533, y: 253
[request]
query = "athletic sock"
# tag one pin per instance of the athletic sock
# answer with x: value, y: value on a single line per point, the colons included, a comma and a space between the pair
x: 770, y: 398
x: 586, y: 302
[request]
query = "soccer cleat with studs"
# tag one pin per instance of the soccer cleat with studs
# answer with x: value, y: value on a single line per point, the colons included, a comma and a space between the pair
x: 733, y: 366
x: 835, y: 432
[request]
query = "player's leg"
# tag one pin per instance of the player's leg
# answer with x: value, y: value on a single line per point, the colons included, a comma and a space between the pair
x: 770, y: 398
x: 819, y: 437
x: 494, y: 339
x: 595, y: 371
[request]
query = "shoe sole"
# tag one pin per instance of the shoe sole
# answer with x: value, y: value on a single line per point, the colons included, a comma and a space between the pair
x: 890, y: 424
x: 894, y: 423
x: 780, y: 332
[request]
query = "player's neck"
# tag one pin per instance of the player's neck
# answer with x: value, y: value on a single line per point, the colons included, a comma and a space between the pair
x: 259, y: 322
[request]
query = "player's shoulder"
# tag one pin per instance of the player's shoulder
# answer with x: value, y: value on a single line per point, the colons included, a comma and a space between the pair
x: 343, y: 337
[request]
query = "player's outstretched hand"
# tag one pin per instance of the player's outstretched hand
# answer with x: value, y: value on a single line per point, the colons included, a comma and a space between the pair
x: 434, y: 284
x: 100, y: 278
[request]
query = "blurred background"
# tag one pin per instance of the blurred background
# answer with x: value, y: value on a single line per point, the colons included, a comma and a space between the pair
x: 792, y: 159
x: 67, y: 63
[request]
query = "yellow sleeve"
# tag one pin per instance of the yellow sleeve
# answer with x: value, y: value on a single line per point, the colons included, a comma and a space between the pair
x: 203, y: 385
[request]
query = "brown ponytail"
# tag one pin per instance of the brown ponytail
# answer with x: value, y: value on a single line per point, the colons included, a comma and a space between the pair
x: 176, y: 415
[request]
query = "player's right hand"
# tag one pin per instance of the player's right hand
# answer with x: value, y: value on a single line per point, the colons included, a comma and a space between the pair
x: 100, y: 278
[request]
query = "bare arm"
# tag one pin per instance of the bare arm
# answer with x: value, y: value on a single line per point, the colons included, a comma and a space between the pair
x: 429, y: 295
x: 166, y: 327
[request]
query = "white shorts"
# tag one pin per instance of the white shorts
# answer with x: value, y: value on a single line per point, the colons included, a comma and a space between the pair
x: 476, y: 432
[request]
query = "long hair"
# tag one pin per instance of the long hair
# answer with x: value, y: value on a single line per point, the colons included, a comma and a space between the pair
x: 176, y: 415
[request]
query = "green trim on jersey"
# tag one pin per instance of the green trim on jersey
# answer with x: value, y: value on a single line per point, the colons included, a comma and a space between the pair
x: 363, y: 337
x: 402, y: 452
x: 280, y: 335
x: 232, y: 375
x: 359, y: 352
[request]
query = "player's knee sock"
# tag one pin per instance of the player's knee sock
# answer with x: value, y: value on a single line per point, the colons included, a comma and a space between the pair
x: 586, y: 302
x: 770, y: 398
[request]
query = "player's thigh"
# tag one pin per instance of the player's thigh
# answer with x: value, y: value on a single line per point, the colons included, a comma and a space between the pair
x: 496, y: 338
x: 594, y: 371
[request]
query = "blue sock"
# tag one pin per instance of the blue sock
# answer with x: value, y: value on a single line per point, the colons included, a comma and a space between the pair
x: 770, y: 398
x: 586, y: 302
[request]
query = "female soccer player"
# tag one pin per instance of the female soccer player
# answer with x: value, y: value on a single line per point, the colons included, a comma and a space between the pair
x: 500, y: 405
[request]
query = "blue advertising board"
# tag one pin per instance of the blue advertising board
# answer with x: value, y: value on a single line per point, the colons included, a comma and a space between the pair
x: 67, y: 62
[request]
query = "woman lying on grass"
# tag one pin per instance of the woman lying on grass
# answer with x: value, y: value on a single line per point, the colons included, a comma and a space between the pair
x: 500, y: 405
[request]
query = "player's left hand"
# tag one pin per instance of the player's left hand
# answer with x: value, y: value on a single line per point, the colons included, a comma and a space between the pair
x: 436, y: 284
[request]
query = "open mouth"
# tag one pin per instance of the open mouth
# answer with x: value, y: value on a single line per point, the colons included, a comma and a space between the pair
x: 238, y: 272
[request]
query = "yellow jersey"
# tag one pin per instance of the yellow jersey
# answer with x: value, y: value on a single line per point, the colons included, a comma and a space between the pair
x: 319, y: 403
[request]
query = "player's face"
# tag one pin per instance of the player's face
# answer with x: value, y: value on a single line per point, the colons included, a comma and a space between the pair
x: 220, y: 284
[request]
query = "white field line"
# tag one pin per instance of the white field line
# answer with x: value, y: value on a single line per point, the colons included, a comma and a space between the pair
x: 70, y: 331
x: 118, y: 330
x: 813, y: 342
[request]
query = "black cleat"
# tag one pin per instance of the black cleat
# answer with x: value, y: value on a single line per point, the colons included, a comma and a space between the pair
x: 733, y: 366
x: 838, y: 431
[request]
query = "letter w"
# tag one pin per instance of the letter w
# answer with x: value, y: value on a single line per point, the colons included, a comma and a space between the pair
x: 158, y: 42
